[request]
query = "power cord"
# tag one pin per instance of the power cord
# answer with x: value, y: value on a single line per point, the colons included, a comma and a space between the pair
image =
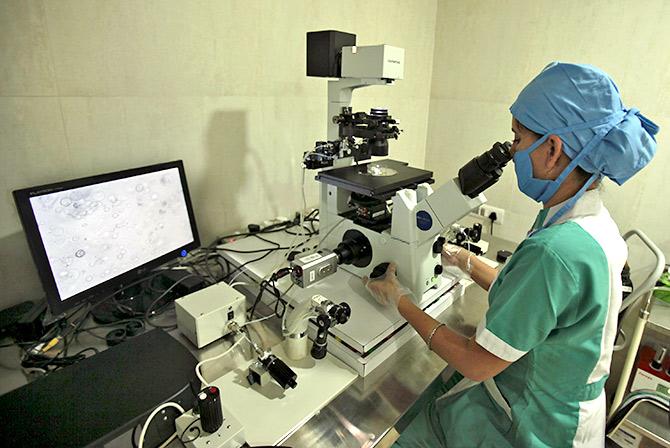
x: 265, y: 285
x: 148, y: 313
x: 153, y: 414
x: 202, y: 379
x: 493, y: 216
x: 181, y: 437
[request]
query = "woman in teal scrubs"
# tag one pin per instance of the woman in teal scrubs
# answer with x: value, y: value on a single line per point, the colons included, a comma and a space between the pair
x: 533, y: 374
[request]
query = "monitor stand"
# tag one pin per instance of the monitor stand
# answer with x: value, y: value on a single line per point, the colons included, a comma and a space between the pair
x: 126, y: 304
x: 133, y: 301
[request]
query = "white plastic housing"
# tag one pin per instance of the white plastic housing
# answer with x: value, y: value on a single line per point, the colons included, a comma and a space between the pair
x: 203, y: 316
x: 373, y: 61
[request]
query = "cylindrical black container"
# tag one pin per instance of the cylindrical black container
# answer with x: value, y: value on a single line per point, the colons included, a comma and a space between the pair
x: 211, y: 413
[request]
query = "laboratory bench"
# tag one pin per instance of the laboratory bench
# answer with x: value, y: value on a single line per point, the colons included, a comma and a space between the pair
x: 332, y: 405
x: 362, y: 413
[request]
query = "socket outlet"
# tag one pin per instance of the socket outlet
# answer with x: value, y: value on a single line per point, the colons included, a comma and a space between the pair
x: 486, y: 210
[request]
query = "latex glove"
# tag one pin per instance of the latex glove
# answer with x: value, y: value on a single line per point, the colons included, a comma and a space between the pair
x: 386, y: 289
x: 457, y: 256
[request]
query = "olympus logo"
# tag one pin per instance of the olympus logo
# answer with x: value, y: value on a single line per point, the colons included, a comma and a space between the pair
x: 393, y: 61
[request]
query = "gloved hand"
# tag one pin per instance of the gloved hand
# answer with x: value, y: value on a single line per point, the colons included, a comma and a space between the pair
x: 386, y: 289
x: 453, y: 255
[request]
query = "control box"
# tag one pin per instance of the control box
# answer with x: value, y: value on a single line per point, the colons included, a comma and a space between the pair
x: 653, y: 371
x: 190, y: 431
x: 373, y: 61
x: 203, y: 316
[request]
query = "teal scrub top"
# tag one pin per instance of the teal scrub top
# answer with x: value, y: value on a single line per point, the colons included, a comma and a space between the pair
x: 552, y: 313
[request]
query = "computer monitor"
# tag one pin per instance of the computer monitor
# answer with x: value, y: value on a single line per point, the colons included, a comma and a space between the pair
x: 89, y: 236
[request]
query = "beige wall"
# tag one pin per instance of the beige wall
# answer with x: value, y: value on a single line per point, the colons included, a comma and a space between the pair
x: 92, y: 86
x: 486, y: 51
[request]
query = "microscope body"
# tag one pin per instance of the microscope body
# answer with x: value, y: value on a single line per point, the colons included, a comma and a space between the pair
x: 412, y: 241
x: 385, y: 209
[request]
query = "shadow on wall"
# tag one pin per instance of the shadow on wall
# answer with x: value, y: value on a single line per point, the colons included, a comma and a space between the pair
x: 18, y: 275
x: 230, y: 164
x: 224, y: 176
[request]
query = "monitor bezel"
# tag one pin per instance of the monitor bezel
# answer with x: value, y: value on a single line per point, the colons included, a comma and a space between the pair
x: 94, y: 294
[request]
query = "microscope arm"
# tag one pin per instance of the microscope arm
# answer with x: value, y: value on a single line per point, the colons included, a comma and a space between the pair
x: 339, y: 96
x: 422, y: 214
x: 449, y: 204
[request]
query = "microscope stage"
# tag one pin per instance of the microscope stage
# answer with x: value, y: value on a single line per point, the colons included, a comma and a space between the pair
x: 392, y: 176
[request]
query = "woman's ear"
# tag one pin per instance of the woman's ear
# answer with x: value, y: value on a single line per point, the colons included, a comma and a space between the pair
x: 554, y: 153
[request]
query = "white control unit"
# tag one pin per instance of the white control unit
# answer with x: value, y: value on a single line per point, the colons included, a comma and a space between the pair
x: 203, y: 316
x: 229, y: 435
x: 373, y: 61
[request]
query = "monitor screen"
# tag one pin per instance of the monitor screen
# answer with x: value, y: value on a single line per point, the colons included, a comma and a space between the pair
x: 92, y: 234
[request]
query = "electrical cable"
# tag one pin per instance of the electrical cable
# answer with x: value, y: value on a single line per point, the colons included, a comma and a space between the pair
x: 269, y: 229
x: 274, y: 243
x: 181, y: 438
x: 66, y: 332
x: 111, y: 324
x: 153, y: 414
x: 261, y: 290
x: 60, y: 359
x: 168, y: 441
x: 132, y: 436
x: 243, y: 265
x: 213, y: 358
x: 232, y: 280
x: 257, y: 320
x: 147, y: 313
x: 263, y: 286
x: 300, y: 235
x: 252, y: 251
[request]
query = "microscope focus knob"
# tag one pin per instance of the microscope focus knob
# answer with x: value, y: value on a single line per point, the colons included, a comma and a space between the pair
x: 323, y: 321
x: 379, y: 270
x: 343, y: 313
x: 437, y: 245
x: 438, y: 269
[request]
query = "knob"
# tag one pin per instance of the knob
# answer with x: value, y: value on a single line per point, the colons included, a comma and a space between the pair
x: 343, y: 313
x: 379, y: 270
x: 657, y: 362
x: 437, y: 245
x: 438, y: 269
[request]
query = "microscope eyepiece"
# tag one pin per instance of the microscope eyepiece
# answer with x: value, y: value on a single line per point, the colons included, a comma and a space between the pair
x: 484, y: 170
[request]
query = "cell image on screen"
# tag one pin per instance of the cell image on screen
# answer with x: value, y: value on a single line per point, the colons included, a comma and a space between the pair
x: 94, y: 233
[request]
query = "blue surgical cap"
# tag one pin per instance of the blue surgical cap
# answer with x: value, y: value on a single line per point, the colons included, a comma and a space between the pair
x: 585, y: 98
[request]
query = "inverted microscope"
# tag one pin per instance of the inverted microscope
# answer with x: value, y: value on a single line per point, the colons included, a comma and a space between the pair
x: 379, y: 211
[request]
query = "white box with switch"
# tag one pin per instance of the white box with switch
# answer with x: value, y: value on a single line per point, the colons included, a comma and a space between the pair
x: 204, y: 315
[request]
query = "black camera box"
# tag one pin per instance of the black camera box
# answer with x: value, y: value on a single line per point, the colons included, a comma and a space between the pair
x: 324, y: 52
